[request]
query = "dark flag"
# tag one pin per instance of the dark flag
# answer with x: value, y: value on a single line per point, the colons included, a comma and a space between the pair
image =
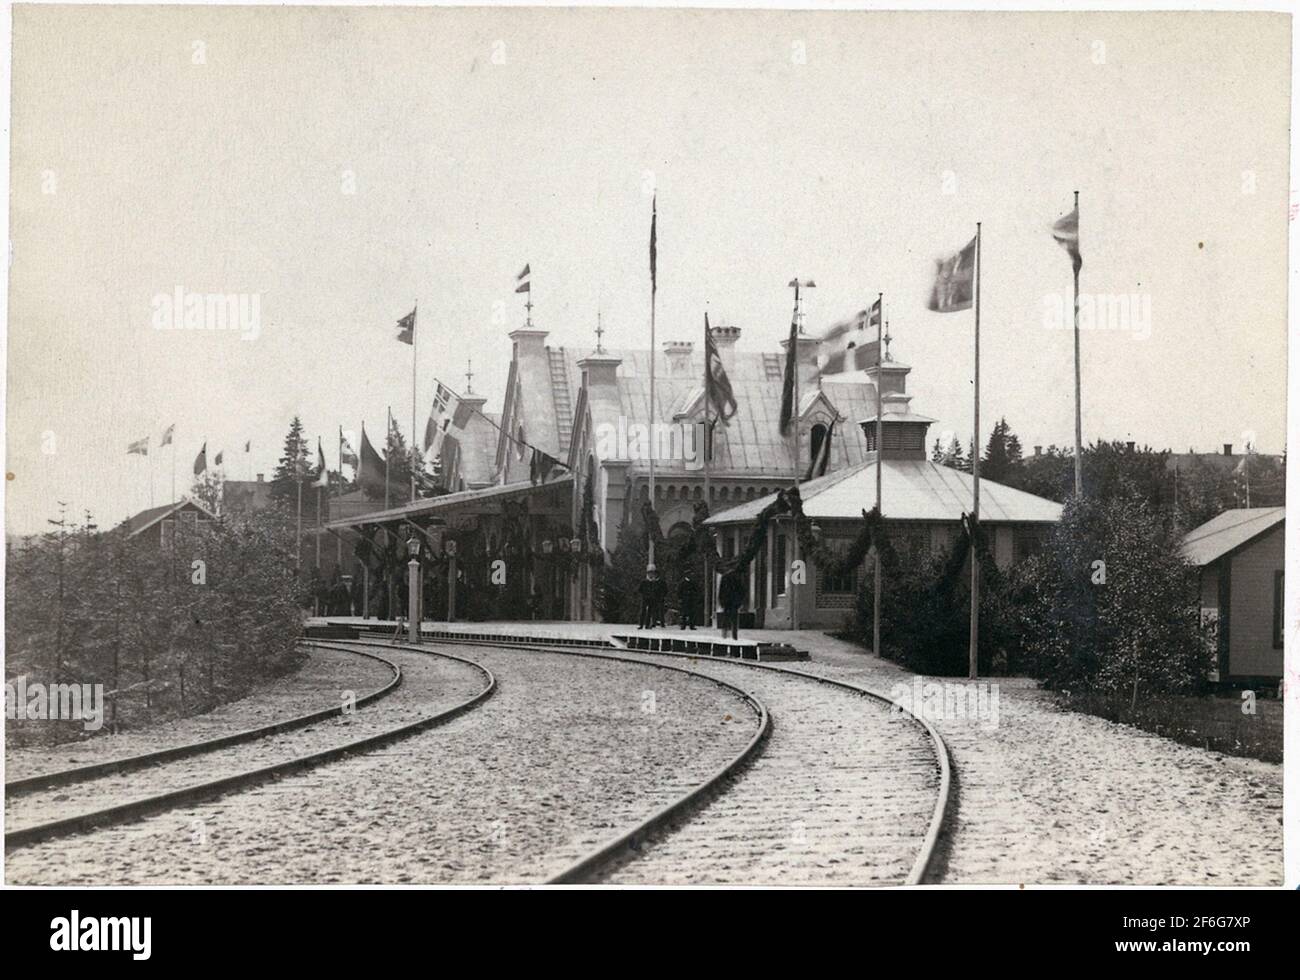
x: 322, y: 474
x: 220, y: 455
x: 406, y: 328
x: 201, y: 460
x: 787, y: 387
x: 821, y: 456
x: 347, y: 455
x: 1066, y: 233
x: 248, y: 446
x: 371, y: 474
x: 525, y: 283
x: 167, y: 436
x: 717, y: 386
x: 138, y: 448
x: 540, y: 467
x: 954, y: 281
x: 654, y: 220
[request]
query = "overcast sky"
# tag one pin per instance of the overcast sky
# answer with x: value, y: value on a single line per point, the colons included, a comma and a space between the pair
x: 850, y: 148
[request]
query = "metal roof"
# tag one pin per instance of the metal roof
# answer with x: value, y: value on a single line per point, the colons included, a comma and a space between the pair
x: 430, y: 505
x: 913, y: 490
x: 1229, y: 531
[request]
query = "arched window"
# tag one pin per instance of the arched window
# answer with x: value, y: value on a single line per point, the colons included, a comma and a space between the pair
x: 818, y: 436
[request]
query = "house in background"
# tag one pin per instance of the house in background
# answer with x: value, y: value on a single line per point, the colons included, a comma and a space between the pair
x: 1240, y: 557
x: 157, y: 525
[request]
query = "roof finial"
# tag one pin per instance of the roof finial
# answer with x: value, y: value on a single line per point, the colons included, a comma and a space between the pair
x: 888, y: 356
x: 600, y: 331
x: 469, y: 376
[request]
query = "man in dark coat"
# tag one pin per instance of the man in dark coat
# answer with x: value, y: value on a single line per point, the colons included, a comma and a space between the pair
x: 688, y: 599
x: 652, y: 591
x: 731, y: 596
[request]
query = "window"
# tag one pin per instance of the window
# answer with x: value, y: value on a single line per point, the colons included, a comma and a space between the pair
x: 815, y: 440
x: 1026, y: 542
x: 845, y: 582
x: 1279, y: 601
x: 778, y: 566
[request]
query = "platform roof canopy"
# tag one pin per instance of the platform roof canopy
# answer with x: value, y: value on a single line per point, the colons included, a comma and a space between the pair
x: 464, y: 499
x: 913, y: 490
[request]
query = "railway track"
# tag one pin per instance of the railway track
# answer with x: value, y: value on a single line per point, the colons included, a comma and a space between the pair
x: 125, y: 790
x: 809, y: 800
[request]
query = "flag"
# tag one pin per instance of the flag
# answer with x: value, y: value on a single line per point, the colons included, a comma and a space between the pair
x: 371, y: 472
x: 821, y: 456
x: 954, y: 281
x: 166, y: 439
x: 406, y: 328
x: 541, y: 465
x: 850, y: 344
x: 248, y: 446
x: 217, y: 461
x: 201, y: 460
x: 521, y: 447
x: 787, y: 387
x: 449, y: 463
x: 322, y: 474
x: 717, y: 386
x: 525, y: 284
x: 347, y: 455
x: 448, y: 410
x: 138, y: 448
x: 1066, y: 233
x: 654, y: 221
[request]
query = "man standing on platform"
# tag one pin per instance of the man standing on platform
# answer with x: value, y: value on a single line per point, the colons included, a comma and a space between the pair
x: 731, y: 596
x: 688, y: 597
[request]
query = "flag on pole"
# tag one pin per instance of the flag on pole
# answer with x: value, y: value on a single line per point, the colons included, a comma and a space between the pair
x: 850, y: 344
x: 716, y: 383
x: 654, y: 248
x: 201, y: 460
x: 371, y: 472
x: 1066, y: 233
x: 525, y: 284
x: 406, y: 328
x: 220, y: 455
x: 954, y: 281
x: 166, y: 439
x: 138, y: 448
x: 322, y: 474
x: 248, y: 446
x: 539, y: 468
x: 788, y: 406
x: 347, y: 455
x: 821, y: 456
x: 448, y: 410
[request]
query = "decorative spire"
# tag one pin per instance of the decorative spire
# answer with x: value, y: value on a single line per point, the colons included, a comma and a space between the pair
x: 600, y: 332
x: 469, y: 376
x: 888, y: 356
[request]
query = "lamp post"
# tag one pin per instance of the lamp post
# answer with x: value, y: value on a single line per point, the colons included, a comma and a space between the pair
x: 415, y: 585
x: 450, y: 547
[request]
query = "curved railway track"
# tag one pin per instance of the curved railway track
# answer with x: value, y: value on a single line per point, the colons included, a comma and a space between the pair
x: 770, y: 795
x: 174, y: 768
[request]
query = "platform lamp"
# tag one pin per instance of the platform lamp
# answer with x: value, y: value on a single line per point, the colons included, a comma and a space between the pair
x: 415, y: 585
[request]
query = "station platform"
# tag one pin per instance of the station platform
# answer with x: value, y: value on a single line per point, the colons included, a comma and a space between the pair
x: 755, y: 645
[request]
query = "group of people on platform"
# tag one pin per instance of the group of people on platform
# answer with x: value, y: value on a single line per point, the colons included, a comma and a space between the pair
x: 654, y: 591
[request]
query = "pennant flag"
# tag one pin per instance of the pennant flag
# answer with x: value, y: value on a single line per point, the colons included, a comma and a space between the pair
x: 821, y: 456
x: 954, y: 281
x: 717, y: 385
x: 406, y: 328
x: 850, y: 344
x: 525, y: 284
x: 787, y: 386
x: 1066, y: 233
x: 371, y: 472
x: 540, y: 467
x: 322, y: 474
x: 654, y: 221
x: 220, y: 455
x: 166, y: 439
x: 347, y: 455
x: 138, y: 448
x: 248, y: 446
x: 201, y: 460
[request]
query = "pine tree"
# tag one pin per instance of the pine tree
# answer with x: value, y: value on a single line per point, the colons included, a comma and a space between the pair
x: 294, y: 465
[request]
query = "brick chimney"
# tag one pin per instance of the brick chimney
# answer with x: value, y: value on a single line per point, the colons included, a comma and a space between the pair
x: 725, y: 338
x: 1227, y: 449
x: 678, y: 353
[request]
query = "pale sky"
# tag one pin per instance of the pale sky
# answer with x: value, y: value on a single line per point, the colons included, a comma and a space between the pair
x: 850, y: 148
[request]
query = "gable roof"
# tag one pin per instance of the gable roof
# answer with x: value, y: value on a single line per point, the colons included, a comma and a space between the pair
x: 913, y: 490
x: 148, y: 518
x: 1229, y: 531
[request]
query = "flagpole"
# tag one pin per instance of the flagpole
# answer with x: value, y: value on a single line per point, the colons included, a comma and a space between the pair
x: 654, y: 217
x: 1078, y: 395
x: 338, y: 538
x: 414, y: 358
x: 708, y: 490
x: 173, y: 467
x: 975, y: 470
x: 794, y: 412
x: 880, y: 470
x: 388, y: 437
